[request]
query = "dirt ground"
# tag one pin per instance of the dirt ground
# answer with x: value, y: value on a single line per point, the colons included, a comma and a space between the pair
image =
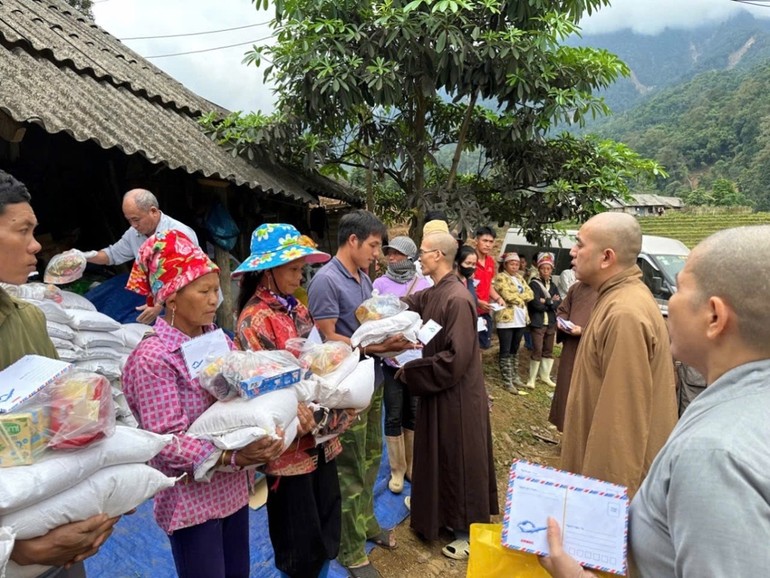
x: 519, y: 430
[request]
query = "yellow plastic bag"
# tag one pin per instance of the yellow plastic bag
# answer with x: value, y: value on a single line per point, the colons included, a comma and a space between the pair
x: 489, y: 559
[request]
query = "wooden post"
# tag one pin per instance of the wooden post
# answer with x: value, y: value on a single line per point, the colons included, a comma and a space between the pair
x: 225, y: 313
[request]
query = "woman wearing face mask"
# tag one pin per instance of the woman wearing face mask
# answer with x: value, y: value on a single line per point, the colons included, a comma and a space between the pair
x: 512, y: 319
x: 400, y: 279
x: 465, y: 266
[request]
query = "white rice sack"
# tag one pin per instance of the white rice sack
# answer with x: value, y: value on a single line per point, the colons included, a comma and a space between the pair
x: 353, y: 392
x: 102, y: 352
x: 92, y: 320
x: 60, y: 330
x: 109, y: 368
x: 344, y: 369
x: 306, y: 389
x: 68, y: 355
x: 13, y: 570
x: 407, y: 323
x: 262, y: 415
x: 123, y: 414
x: 132, y: 334
x: 54, y: 472
x: 6, y: 547
x: 114, y: 491
x: 53, y: 311
x: 87, y: 338
x: 72, y: 300
x: 60, y: 343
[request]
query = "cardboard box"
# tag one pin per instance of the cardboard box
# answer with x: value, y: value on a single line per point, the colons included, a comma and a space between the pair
x: 269, y: 381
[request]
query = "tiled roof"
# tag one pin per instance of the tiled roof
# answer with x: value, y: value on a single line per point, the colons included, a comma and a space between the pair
x: 59, y: 70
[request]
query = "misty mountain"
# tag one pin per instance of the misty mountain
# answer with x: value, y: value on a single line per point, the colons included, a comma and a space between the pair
x: 676, y: 56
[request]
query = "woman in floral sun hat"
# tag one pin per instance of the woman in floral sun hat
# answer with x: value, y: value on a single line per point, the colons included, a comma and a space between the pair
x: 303, y: 503
x: 206, y: 515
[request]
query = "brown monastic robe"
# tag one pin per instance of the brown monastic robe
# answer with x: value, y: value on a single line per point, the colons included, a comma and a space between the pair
x: 576, y: 307
x: 453, y: 484
x: 621, y: 405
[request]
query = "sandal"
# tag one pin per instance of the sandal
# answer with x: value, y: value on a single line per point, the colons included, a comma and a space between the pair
x: 365, y: 571
x: 385, y: 539
x: 457, y: 550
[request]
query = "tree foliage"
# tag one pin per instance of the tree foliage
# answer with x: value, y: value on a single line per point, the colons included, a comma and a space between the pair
x: 385, y: 86
x: 84, y: 6
x: 711, y: 133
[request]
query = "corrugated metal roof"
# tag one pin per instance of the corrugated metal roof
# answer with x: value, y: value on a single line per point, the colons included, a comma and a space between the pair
x: 71, y: 39
x: 62, y: 72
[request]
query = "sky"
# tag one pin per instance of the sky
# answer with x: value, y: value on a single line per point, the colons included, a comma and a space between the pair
x: 219, y: 76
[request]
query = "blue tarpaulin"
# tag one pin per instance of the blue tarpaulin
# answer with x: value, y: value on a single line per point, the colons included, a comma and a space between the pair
x: 138, y: 548
x: 113, y: 299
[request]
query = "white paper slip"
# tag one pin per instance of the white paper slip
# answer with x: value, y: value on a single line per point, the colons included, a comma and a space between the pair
x: 428, y: 331
x: 496, y: 307
x: 481, y: 324
x: 197, y: 350
x: 407, y: 356
x: 593, y: 515
x: 565, y: 324
x: 314, y: 336
x: 23, y: 379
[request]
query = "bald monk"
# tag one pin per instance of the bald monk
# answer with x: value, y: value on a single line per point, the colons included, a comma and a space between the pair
x: 622, y: 403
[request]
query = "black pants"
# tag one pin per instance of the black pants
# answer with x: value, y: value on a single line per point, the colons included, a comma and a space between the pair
x: 214, y: 549
x: 400, y: 405
x: 485, y: 337
x: 510, y: 339
x: 304, y: 517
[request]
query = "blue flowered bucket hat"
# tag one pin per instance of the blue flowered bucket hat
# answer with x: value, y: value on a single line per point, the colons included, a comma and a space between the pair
x: 275, y: 244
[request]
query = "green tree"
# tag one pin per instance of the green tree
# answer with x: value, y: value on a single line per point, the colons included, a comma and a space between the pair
x: 726, y: 194
x: 385, y: 85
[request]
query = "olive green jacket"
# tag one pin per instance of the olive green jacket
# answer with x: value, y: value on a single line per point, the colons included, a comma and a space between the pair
x: 22, y: 331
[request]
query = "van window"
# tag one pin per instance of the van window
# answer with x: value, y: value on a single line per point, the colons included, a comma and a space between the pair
x: 671, y: 265
x: 653, y: 279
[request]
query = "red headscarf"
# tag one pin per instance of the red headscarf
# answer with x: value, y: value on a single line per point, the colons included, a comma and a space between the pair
x: 167, y: 262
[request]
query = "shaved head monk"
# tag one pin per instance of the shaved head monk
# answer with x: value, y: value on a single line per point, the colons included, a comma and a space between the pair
x: 622, y: 403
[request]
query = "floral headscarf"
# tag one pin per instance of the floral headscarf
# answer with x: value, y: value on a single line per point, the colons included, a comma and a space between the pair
x: 167, y: 262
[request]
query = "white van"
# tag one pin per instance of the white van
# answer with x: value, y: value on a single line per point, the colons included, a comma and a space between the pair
x: 660, y: 260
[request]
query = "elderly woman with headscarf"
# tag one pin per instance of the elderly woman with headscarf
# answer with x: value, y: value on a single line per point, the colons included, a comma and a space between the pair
x: 400, y: 279
x: 511, y: 320
x: 542, y: 314
x: 205, y: 514
x: 303, y: 500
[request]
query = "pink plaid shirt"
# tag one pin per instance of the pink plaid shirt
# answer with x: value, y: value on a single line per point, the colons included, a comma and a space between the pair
x: 165, y: 400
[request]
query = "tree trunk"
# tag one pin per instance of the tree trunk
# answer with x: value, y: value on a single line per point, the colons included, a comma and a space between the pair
x: 461, y: 141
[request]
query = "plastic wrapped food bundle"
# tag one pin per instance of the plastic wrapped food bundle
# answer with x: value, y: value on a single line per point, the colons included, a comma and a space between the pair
x: 249, y: 374
x: 70, y: 411
x: 65, y: 267
x: 379, y: 306
x: 36, y: 291
x: 319, y: 358
x: 82, y: 410
x: 406, y: 323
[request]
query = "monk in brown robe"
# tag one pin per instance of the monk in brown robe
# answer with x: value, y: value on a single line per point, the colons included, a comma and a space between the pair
x: 453, y: 481
x: 576, y: 308
x: 622, y: 403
